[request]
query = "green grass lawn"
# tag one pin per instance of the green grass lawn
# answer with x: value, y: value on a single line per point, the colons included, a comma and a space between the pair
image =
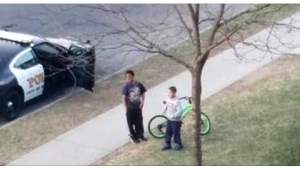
x: 258, y: 127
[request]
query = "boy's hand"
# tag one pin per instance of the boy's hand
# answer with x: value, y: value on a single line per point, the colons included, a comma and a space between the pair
x: 141, y: 105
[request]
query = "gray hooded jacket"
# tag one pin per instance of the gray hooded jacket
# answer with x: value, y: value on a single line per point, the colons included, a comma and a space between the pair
x: 173, y: 109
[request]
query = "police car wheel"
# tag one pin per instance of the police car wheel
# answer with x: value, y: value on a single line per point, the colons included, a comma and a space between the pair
x: 12, y: 104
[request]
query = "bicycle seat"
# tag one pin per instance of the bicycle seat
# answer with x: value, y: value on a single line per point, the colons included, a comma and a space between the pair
x: 164, y: 102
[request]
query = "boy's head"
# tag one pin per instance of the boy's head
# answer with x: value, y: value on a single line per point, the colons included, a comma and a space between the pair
x: 129, y: 76
x: 172, y: 92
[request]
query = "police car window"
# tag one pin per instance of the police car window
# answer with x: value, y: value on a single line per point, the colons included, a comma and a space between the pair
x: 26, y: 61
x: 46, y: 50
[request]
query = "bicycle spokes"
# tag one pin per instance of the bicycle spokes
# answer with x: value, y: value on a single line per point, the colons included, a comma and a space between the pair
x: 157, y: 126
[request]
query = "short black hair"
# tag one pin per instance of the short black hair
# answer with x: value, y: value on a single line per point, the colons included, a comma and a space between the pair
x: 130, y: 72
x: 173, y: 89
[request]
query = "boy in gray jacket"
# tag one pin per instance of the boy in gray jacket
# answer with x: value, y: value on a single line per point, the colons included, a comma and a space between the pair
x: 173, y: 111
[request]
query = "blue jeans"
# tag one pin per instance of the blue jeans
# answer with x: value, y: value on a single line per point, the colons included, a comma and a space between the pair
x: 173, y: 129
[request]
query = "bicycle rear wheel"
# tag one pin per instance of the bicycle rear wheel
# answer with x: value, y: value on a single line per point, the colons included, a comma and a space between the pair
x: 157, y: 126
x: 205, y: 124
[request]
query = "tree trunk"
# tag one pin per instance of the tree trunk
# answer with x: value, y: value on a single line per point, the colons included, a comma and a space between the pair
x: 196, y: 97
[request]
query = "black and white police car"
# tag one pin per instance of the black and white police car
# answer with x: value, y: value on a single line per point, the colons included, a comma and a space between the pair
x: 31, y: 65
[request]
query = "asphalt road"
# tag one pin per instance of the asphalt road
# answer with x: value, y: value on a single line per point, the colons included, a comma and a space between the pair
x: 86, y: 23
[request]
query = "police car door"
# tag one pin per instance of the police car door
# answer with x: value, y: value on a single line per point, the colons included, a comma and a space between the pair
x: 29, y: 73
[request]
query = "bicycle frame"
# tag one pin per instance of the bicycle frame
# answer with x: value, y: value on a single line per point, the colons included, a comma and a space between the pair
x: 188, y: 108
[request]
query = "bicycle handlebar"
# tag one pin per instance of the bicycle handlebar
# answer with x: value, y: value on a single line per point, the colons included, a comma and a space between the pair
x: 185, y: 98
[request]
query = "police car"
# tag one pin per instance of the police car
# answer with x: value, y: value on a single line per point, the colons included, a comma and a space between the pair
x: 31, y: 65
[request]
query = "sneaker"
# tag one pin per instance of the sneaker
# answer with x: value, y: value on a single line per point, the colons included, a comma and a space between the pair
x: 166, y: 147
x: 178, y: 147
x: 143, y: 139
x: 135, y: 141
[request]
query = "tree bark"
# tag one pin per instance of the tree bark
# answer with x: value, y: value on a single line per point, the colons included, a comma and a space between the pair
x: 196, y: 98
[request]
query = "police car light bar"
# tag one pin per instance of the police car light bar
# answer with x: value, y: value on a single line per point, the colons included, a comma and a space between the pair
x: 16, y: 37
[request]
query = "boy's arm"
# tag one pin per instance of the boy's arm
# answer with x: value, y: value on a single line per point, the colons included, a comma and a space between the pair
x: 165, y: 110
x: 124, y: 101
x: 178, y: 109
x: 142, y: 100
x: 143, y: 91
x: 124, y: 94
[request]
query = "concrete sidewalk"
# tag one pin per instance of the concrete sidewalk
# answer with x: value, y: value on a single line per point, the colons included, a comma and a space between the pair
x: 97, y: 138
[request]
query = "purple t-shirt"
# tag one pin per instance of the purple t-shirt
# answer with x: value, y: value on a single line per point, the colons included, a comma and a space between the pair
x: 133, y: 92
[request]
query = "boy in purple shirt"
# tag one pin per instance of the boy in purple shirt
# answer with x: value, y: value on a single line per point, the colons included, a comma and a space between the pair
x: 133, y: 97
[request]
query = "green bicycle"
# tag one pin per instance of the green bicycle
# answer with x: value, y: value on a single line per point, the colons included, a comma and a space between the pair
x: 157, y: 124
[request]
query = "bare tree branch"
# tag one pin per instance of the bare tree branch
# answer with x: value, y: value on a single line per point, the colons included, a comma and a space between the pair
x: 99, y: 7
x: 226, y: 21
x: 218, y: 43
x: 195, y: 19
x: 206, y: 20
x: 162, y: 51
x: 191, y: 9
x: 215, y: 28
x: 216, y: 25
x: 188, y: 30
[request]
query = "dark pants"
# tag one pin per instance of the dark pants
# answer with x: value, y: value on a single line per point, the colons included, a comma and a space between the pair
x: 173, y: 129
x: 135, y: 123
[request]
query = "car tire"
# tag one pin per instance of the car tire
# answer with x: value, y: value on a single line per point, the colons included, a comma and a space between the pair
x: 11, y: 105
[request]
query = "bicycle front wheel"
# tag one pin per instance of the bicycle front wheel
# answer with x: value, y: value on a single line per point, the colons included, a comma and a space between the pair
x: 205, y: 124
x: 157, y: 126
